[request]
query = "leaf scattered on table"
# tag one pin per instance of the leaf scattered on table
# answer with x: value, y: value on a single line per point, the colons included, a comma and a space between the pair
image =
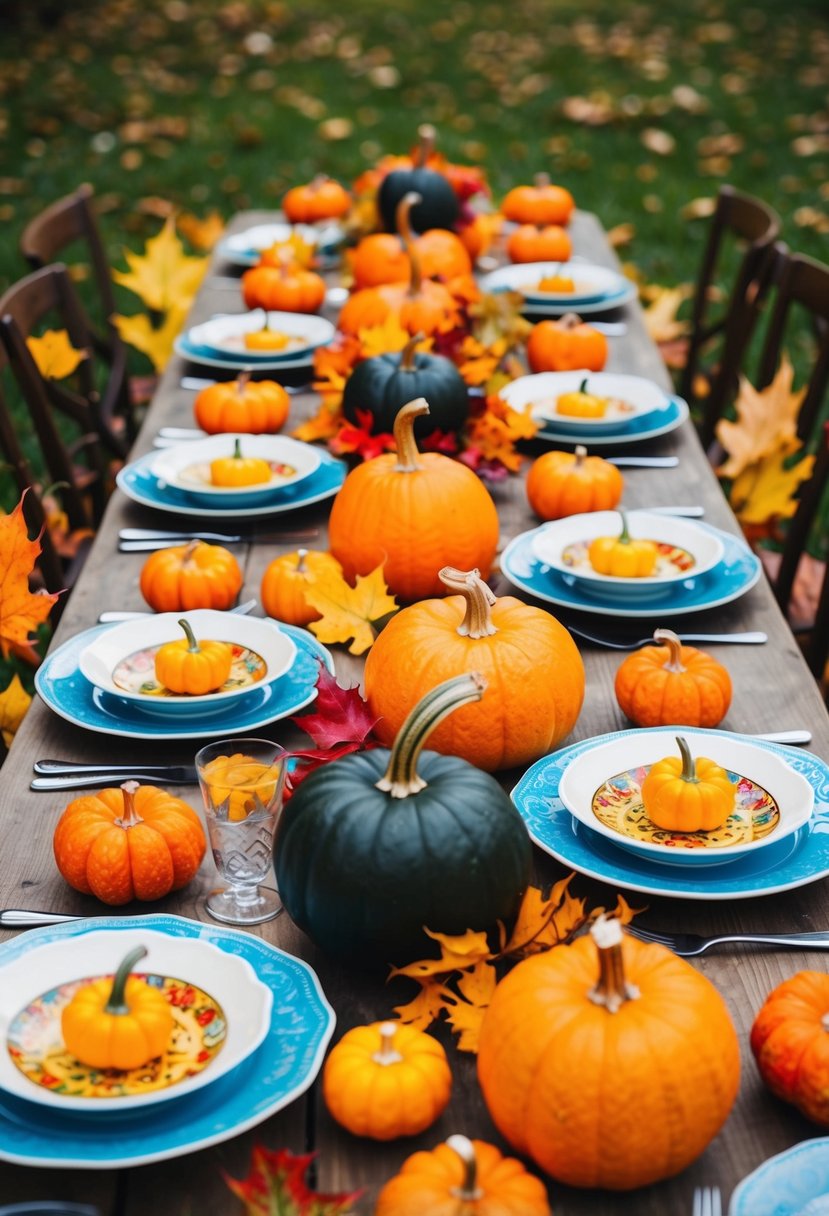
x: 340, y: 714
x: 766, y: 421
x: 276, y: 1186
x: 349, y: 612
x: 54, y: 355
x: 21, y: 611
x: 14, y: 701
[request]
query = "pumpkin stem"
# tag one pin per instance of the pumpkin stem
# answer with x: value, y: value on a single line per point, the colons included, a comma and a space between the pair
x: 570, y: 320
x: 669, y: 638
x: 541, y: 180
x: 242, y: 382
x: 468, y: 1191
x: 237, y: 449
x: 192, y: 644
x: 129, y: 817
x: 116, y: 1004
x: 689, y: 768
x: 189, y: 549
x: 407, y: 355
x: 583, y: 386
x: 427, y: 135
x: 624, y: 537
x: 407, y: 452
x: 477, y: 622
x: 301, y: 567
x: 401, y: 778
x: 404, y: 228
x: 581, y: 454
x: 387, y: 1053
x: 612, y: 989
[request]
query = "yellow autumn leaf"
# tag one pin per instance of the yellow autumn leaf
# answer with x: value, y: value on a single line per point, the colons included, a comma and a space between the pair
x: 349, y: 612
x: 660, y: 315
x: 163, y: 277
x: 156, y: 343
x: 388, y: 338
x: 14, y: 701
x: 766, y: 421
x: 54, y: 355
x: 621, y: 235
x: 424, y: 1008
x: 202, y: 234
x: 466, y: 1013
x: 767, y: 489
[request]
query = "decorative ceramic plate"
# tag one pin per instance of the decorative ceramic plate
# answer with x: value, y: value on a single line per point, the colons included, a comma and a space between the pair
x: 187, y: 467
x: 282, y: 1068
x: 684, y: 552
x: 121, y: 661
x: 584, y: 308
x: 602, y: 789
x: 238, y: 363
x: 138, y: 481
x: 568, y: 283
x: 629, y: 398
x: 298, y: 333
x: 644, y: 426
x: 793, y: 1183
x: 62, y: 686
x: 736, y: 574
x: 795, y: 861
x: 222, y: 1013
x: 246, y: 248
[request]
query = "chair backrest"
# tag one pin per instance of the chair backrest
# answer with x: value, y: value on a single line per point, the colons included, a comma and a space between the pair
x: 748, y: 219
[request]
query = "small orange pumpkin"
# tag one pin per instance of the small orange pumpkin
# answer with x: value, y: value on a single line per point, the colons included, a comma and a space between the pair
x: 567, y: 345
x: 463, y: 1178
x: 320, y: 199
x: 542, y: 203
x: 286, y: 288
x: 252, y: 407
x: 687, y: 794
x: 412, y: 512
x: 136, y: 842
x: 386, y: 1080
x: 239, y: 469
x: 477, y: 236
x: 672, y: 685
x: 195, y: 575
x: 790, y: 1042
x: 571, y: 483
x: 531, y: 244
x: 193, y: 668
x: 285, y: 581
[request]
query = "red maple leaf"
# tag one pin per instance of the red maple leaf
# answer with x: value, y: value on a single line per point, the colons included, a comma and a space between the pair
x: 276, y: 1186
x: 340, y: 714
x: 359, y: 438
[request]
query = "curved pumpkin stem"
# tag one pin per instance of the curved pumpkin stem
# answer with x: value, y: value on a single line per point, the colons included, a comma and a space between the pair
x: 242, y: 382
x: 401, y: 778
x: 612, y: 989
x: 116, y: 1004
x: 189, y: 549
x: 477, y: 622
x: 129, y: 817
x: 624, y: 537
x: 387, y: 1053
x: 407, y: 355
x: 689, y: 768
x: 192, y: 644
x: 427, y: 137
x: 581, y: 456
x: 669, y: 639
x: 301, y: 567
x: 404, y: 227
x: 468, y: 1191
x: 407, y: 450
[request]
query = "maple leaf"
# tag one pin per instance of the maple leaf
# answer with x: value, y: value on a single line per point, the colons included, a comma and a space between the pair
x: 660, y: 315
x: 456, y: 951
x: 154, y: 341
x: 349, y: 612
x: 54, y: 355
x: 535, y: 926
x: 479, y: 361
x: 388, y: 338
x: 14, y: 701
x: 163, y: 277
x: 276, y: 1186
x: 295, y: 251
x: 766, y: 490
x: 424, y: 1008
x: 325, y: 423
x: 340, y: 714
x: 202, y: 234
x: 465, y: 1012
x: 766, y: 421
x: 21, y: 611
x: 360, y: 440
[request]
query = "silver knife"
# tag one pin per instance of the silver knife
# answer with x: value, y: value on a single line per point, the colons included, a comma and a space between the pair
x: 138, y: 535
x: 96, y: 776
x: 107, y: 618
x: 25, y: 918
x: 643, y: 462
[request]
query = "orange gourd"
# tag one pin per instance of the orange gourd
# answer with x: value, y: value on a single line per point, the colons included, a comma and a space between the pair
x: 672, y: 685
x: 252, y: 407
x: 533, y: 669
x: 412, y: 512
x: 542, y: 203
x: 610, y: 1062
x: 136, y: 842
x: 531, y: 244
x: 386, y: 1080
x: 581, y: 404
x: 567, y: 345
x: 463, y: 1178
x: 790, y: 1042
x: 239, y: 469
x: 571, y: 483
x: 320, y: 199
x: 286, y: 580
x: 683, y: 794
x: 285, y: 288
x: 193, y: 668
x: 195, y: 575
x: 623, y: 556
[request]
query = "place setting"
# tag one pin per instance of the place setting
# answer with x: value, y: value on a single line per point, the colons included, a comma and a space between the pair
x: 245, y: 248
x: 554, y: 288
x: 258, y: 341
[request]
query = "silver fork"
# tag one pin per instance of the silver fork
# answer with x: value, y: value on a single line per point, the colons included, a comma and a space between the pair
x: 617, y: 643
x: 688, y: 945
x: 707, y: 1201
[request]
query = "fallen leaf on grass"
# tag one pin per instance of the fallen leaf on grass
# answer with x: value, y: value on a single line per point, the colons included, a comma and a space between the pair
x: 163, y: 276
x: 661, y: 314
x: 54, y: 355
x: 349, y: 612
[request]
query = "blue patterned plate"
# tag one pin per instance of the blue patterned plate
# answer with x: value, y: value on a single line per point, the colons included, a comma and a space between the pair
x: 139, y: 482
x: 787, y: 1184
x: 211, y: 358
x: 736, y: 574
x: 69, y: 694
x: 646, y: 426
x: 302, y: 1023
x: 799, y: 859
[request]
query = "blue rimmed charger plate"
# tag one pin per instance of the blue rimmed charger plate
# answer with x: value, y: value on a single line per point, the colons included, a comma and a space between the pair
x: 302, y: 1023
x: 796, y: 861
x: 636, y: 430
x: 194, y: 353
x: 786, y: 1183
x: 69, y: 694
x: 139, y: 482
x: 736, y: 574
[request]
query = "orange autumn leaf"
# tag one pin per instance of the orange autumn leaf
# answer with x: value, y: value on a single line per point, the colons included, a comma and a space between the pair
x: 387, y: 338
x: 325, y: 424
x: 424, y: 1008
x: 21, y: 611
x: 660, y: 316
x: 766, y: 421
x: 536, y: 928
x: 202, y: 234
x: 338, y: 357
x: 349, y: 612
x: 766, y: 490
x: 458, y: 950
x: 54, y: 355
x: 293, y: 252
x: 465, y: 1012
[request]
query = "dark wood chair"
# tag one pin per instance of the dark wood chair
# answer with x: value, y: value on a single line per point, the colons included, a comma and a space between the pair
x: 743, y: 219
x: 67, y: 222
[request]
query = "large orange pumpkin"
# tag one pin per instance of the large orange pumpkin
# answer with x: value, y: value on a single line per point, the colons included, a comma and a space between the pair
x: 790, y: 1042
x: 251, y: 407
x: 136, y: 842
x: 414, y: 512
x: 542, y: 203
x: 567, y: 345
x: 571, y: 483
x: 533, y: 669
x: 612, y: 1071
x: 672, y: 685
x: 195, y: 575
x: 320, y: 199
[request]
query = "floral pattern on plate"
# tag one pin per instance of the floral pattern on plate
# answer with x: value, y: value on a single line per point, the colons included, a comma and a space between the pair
x: 671, y: 560
x: 136, y: 673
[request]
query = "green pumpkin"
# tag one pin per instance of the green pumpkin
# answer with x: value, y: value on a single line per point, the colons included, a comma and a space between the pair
x: 375, y: 846
x: 382, y: 384
x: 438, y: 206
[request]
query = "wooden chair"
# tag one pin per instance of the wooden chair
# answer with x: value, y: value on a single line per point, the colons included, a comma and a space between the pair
x: 45, y: 239
x: 745, y: 219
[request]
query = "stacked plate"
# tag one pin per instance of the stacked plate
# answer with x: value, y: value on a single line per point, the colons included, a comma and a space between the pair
x: 553, y: 288
x: 251, y: 1028
x: 583, y: 806
x: 698, y: 566
x: 636, y: 409
x: 246, y: 248
x: 258, y: 340
x: 104, y: 678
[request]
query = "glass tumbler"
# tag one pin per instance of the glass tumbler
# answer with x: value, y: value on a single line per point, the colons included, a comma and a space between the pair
x: 242, y: 782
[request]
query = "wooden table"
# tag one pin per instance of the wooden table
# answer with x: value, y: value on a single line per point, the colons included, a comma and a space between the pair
x: 772, y: 690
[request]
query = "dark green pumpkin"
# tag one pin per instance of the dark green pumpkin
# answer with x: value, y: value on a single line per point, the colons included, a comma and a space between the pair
x: 382, y: 384
x: 438, y: 206
x: 362, y: 869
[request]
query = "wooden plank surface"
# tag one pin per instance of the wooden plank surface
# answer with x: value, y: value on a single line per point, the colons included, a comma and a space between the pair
x: 773, y: 690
